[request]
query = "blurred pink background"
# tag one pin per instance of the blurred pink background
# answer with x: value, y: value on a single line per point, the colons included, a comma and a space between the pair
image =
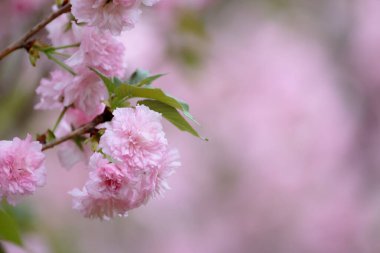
x: 287, y: 91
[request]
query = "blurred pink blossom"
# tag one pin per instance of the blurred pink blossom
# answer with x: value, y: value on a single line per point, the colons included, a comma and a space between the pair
x: 51, y: 91
x: 63, y: 31
x: 26, y: 6
x: 32, y: 244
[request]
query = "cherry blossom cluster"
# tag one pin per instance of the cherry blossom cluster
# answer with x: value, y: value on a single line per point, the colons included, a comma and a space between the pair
x: 129, y: 159
x: 133, y: 166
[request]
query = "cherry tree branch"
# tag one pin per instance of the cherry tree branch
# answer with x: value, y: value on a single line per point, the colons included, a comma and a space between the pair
x: 87, y: 128
x: 23, y: 42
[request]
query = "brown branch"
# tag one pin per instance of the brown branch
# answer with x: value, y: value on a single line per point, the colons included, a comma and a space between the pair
x: 24, y: 40
x: 87, y: 128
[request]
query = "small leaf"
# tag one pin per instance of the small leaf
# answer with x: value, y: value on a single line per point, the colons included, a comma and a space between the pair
x: 138, y: 76
x: 191, y: 22
x: 107, y: 81
x: 78, y: 140
x: 50, y: 136
x: 116, y: 81
x: 129, y: 91
x: 34, y: 55
x: 172, y: 115
x: 142, y: 78
x: 148, y: 80
x: 59, y: 2
x: 117, y: 102
x: 8, y: 228
x: 23, y: 216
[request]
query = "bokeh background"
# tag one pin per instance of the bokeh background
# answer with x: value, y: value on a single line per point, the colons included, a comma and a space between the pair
x: 288, y: 93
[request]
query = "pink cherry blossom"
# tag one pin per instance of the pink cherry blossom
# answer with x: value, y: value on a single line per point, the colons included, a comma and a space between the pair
x: 101, y: 51
x: 113, y: 189
x: 77, y: 117
x: 135, y: 137
x: 114, y: 16
x: 63, y: 31
x: 151, y: 181
x: 22, y: 168
x: 106, y: 193
x: 169, y: 163
x: 51, y: 91
x: 86, y: 93
x: 142, y: 162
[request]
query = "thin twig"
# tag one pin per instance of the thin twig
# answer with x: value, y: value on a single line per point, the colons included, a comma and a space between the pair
x: 60, y: 118
x: 87, y: 128
x: 77, y: 132
x: 24, y: 40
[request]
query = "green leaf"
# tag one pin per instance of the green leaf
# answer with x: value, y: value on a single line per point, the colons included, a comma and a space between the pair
x: 148, y: 80
x: 107, y: 81
x: 59, y: 2
x: 78, y: 140
x: 116, y: 81
x: 171, y: 114
x: 142, y: 78
x: 138, y: 76
x: 22, y: 214
x: 50, y: 136
x: 129, y: 91
x: 8, y: 228
x: 191, y: 22
x: 34, y: 55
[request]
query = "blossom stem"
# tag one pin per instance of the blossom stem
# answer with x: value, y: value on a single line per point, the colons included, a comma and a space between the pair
x: 60, y: 118
x: 67, y: 46
x: 60, y: 47
x: 86, y: 128
x: 24, y: 40
x: 60, y: 63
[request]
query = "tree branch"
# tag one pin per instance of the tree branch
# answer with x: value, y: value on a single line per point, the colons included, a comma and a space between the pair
x: 87, y: 128
x: 24, y: 40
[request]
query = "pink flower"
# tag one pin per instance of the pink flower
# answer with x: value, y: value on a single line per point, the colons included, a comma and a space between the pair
x: 77, y: 117
x: 106, y: 193
x: 22, y: 168
x: 51, y: 90
x: 114, y: 16
x: 135, y: 137
x: 63, y: 31
x: 113, y: 189
x: 101, y: 51
x: 142, y: 162
x: 169, y: 163
x: 86, y: 92
x: 151, y: 181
